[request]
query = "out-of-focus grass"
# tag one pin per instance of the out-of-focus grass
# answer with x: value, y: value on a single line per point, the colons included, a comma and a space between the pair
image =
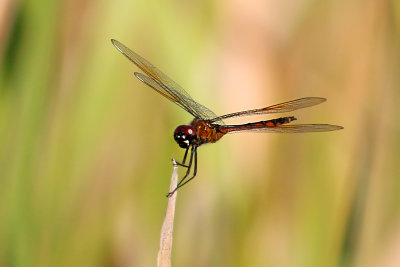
x: 85, y: 147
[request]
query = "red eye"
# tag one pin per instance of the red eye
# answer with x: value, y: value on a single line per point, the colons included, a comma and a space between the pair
x: 185, y: 135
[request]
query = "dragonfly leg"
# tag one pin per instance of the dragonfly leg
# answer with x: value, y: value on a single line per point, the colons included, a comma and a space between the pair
x: 184, y: 160
x: 193, y: 153
x: 194, y: 173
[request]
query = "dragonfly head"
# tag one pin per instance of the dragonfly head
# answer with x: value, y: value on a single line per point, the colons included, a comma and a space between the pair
x: 185, y: 135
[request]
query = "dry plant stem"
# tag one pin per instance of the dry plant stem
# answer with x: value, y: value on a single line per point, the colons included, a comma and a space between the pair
x: 164, y: 253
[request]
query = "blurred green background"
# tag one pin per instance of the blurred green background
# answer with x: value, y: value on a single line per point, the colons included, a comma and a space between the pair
x: 85, y: 147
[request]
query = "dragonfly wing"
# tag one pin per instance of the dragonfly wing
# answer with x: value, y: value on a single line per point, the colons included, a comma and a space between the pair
x: 296, y: 128
x: 159, y: 88
x: 278, y: 108
x: 165, y: 85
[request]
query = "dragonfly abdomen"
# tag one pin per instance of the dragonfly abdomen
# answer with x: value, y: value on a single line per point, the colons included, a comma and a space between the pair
x: 257, y: 125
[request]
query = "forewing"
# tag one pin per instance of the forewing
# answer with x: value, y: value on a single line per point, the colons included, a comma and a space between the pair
x: 165, y: 85
x: 158, y: 87
x: 296, y: 128
x: 278, y: 108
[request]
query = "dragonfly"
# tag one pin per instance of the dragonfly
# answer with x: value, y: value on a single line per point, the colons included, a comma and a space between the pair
x: 207, y: 127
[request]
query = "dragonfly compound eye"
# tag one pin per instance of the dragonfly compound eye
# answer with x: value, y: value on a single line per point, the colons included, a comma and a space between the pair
x: 184, y: 135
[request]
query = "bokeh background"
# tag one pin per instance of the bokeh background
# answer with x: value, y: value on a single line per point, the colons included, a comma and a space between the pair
x: 85, y: 148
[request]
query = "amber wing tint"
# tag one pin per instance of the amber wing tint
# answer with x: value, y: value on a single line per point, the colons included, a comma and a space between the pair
x: 299, y: 128
x: 278, y: 108
x: 164, y: 85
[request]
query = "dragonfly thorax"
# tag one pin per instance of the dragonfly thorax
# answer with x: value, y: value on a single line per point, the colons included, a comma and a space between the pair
x: 185, y: 135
